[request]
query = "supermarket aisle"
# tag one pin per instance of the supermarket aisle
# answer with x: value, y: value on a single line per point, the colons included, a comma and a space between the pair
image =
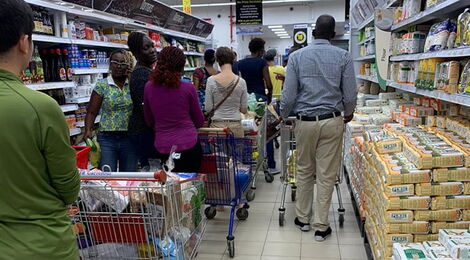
x: 261, y: 238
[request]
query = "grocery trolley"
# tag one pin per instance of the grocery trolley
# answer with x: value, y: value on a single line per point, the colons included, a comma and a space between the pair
x: 140, y: 215
x: 227, y: 164
x: 289, y: 170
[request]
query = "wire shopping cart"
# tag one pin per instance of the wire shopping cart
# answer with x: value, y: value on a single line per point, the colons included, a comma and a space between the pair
x: 289, y: 170
x: 137, y: 215
x: 227, y: 163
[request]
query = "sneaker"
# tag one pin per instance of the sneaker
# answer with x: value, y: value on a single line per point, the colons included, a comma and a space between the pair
x: 302, y: 226
x: 274, y: 171
x: 322, y: 235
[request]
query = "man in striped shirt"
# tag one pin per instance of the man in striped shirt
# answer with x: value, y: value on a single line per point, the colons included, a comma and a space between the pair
x: 320, y: 90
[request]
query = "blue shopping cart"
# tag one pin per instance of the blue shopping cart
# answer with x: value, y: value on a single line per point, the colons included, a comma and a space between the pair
x: 227, y: 163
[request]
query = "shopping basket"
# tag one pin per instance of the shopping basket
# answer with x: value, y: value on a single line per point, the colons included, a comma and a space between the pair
x: 137, y: 216
x: 82, y: 156
x: 227, y: 163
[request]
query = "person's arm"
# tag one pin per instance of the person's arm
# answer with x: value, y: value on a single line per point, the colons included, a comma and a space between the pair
x: 148, y: 114
x: 290, y: 90
x: 209, y: 105
x: 92, y: 111
x: 243, y: 98
x: 59, y: 155
x: 269, y: 84
x: 195, y: 110
x: 348, y: 89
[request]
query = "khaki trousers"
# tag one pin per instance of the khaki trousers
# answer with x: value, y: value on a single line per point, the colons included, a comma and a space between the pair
x: 319, y: 147
x: 235, y: 127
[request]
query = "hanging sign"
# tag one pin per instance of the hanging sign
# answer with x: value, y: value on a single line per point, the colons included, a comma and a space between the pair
x: 187, y: 6
x: 300, y: 35
x: 249, y: 12
x: 383, y: 33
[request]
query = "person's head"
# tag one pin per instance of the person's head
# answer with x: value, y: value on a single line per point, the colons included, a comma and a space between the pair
x: 291, y: 50
x: 170, y: 65
x: 16, y: 28
x: 119, y: 64
x: 256, y: 47
x: 224, y: 55
x: 270, y: 55
x: 325, y: 27
x: 143, y: 48
x: 209, y: 57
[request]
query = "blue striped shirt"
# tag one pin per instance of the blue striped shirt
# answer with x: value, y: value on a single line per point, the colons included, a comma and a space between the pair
x: 319, y: 80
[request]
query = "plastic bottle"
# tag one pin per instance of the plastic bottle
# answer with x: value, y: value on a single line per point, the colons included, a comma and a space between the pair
x: 39, y: 72
x: 61, y: 69
x: 53, y: 71
x: 68, y: 68
x: 46, y: 65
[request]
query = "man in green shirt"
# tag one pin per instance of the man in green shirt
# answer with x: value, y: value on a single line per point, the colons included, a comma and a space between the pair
x: 38, y: 175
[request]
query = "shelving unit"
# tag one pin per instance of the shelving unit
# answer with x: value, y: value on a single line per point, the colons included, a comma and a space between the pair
x: 75, y: 131
x: 366, y: 40
x: 51, y: 85
x: 365, y: 58
x: 82, y: 123
x: 69, y: 107
x: 452, y: 53
x: 89, y: 71
x: 369, y: 78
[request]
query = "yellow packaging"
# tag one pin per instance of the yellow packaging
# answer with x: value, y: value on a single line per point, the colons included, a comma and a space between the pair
x: 429, y: 237
x: 431, y: 121
x: 399, y: 216
x: 439, y: 189
x: 451, y: 174
x: 408, y: 203
x: 436, y: 226
x: 466, y: 215
x: 451, y: 202
x: 407, y: 178
x: 441, y: 122
x: 416, y: 227
x: 400, y: 190
x: 438, y: 215
x: 388, y: 146
x: 398, y: 238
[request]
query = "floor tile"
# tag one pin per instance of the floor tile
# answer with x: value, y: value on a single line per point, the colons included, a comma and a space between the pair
x: 284, y: 236
x: 350, y: 239
x: 320, y: 251
x: 248, y: 248
x: 271, y: 257
x: 201, y: 256
x: 357, y: 251
x: 250, y: 235
x: 212, y: 247
x: 281, y: 249
x: 241, y: 257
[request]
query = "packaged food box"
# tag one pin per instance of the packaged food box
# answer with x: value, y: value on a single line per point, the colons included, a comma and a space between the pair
x: 389, y: 146
x: 439, y: 255
x: 434, y: 245
x: 439, y: 189
x: 421, y: 111
x: 390, y: 95
x: 416, y: 227
x: 459, y: 248
x: 436, y: 226
x: 369, y: 110
x: 376, y: 103
x: 466, y: 189
x: 419, y: 176
x: 451, y: 174
x: 429, y: 237
x: 408, y: 203
x: 451, y: 202
x: 398, y: 238
x: 447, y: 234
x: 410, y: 251
x: 399, y: 216
x: 400, y: 190
x: 438, y: 215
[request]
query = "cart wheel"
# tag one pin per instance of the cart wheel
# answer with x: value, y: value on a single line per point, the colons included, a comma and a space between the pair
x: 268, y: 177
x: 293, y: 195
x: 210, y: 212
x: 242, y: 213
x: 281, y: 218
x: 341, y: 220
x: 250, y: 195
x: 231, y: 247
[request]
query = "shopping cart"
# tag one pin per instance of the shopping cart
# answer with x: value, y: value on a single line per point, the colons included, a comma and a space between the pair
x: 289, y: 170
x: 227, y: 163
x: 139, y: 215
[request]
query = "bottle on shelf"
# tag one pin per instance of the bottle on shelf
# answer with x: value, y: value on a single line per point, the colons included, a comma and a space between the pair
x: 36, y: 67
x: 61, y: 69
x: 45, y: 64
x: 66, y: 61
x: 53, y: 71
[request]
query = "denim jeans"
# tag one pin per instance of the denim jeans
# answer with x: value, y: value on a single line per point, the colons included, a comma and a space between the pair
x: 117, y: 151
x: 144, y: 146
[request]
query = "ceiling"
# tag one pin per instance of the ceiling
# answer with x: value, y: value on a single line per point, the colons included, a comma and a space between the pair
x: 268, y: 2
x: 289, y: 29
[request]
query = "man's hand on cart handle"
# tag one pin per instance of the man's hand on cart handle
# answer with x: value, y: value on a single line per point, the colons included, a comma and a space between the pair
x: 348, y: 119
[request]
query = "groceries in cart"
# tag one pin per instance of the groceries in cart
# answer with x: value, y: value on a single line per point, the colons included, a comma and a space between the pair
x: 132, y: 215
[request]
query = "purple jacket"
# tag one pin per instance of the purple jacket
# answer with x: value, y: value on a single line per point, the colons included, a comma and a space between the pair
x: 174, y: 115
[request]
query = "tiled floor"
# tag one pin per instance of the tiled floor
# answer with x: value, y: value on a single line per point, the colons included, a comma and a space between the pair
x: 261, y: 238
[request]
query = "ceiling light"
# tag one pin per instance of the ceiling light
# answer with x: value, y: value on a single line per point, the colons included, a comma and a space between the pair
x: 274, y: 26
x: 313, y: 24
x: 281, y: 33
x: 278, y: 30
x: 285, y: 37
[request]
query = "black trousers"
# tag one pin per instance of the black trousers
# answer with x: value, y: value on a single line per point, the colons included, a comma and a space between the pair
x: 189, y: 160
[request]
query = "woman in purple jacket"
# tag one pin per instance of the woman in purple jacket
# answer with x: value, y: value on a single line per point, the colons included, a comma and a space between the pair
x: 171, y: 109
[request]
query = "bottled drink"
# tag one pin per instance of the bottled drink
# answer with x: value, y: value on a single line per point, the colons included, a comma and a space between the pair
x: 31, y: 70
x: 46, y: 64
x: 61, y: 69
x: 39, y: 69
x: 66, y: 60
x: 54, y: 76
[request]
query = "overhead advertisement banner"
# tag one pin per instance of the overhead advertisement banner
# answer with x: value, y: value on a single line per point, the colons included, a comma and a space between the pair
x: 187, y: 6
x: 249, y: 12
x: 151, y: 12
x: 300, y: 35
x: 383, y: 33
x: 249, y: 30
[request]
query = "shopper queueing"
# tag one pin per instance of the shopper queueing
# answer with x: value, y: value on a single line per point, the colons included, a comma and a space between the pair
x: 276, y: 73
x: 201, y: 75
x: 39, y: 175
x: 320, y: 84
x: 172, y: 110
x: 254, y: 69
x: 142, y: 136
x: 226, y: 84
x: 112, y: 96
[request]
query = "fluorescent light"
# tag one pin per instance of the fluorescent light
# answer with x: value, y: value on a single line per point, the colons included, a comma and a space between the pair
x: 274, y: 26
x: 313, y: 24
x: 285, y: 37
x: 283, y: 33
x: 278, y: 30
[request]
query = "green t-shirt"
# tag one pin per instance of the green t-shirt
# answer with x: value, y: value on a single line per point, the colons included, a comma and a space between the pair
x: 38, y: 175
x: 116, y: 107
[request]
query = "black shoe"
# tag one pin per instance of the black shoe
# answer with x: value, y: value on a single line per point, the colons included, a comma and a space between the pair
x: 302, y: 226
x: 322, y: 235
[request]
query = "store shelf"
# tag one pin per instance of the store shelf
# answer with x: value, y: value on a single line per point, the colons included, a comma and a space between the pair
x: 69, y: 107
x: 365, y: 22
x: 438, y: 11
x: 89, y: 71
x: 81, y: 100
x: 82, y: 123
x: 366, y: 40
x: 368, y: 78
x: 51, y: 85
x: 50, y: 39
x: 75, y: 131
x: 453, y: 53
x: 364, y: 58
x: 460, y: 99
x: 98, y: 44
x: 190, y: 69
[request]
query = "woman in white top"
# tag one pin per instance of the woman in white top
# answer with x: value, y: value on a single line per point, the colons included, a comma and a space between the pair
x: 218, y: 86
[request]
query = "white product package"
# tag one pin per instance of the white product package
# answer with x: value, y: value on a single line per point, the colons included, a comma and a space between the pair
x: 459, y: 248
x: 439, y: 255
x: 447, y: 234
x: 409, y: 251
x: 434, y: 245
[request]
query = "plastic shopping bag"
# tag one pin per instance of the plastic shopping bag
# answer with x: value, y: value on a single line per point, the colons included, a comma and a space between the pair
x: 94, y: 155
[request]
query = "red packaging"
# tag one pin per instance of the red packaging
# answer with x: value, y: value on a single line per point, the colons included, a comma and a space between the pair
x: 89, y: 33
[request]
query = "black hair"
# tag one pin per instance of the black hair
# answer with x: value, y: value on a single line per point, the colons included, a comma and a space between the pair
x: 324, y: 27
x: 209, y: 56
x: 256, y: 45
x: 16, y: 20
x: 270, y: 54
x: 135, y: 41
